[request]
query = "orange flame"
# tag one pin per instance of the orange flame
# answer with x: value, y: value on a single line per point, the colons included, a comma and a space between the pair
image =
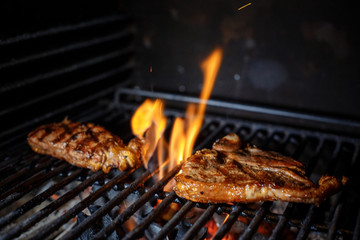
x: 177, y: 143
x: 148, y: 123
x: 195, y: 113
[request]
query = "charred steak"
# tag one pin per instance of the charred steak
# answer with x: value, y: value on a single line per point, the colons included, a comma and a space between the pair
x: 85, y: 145
x: 228, y: 173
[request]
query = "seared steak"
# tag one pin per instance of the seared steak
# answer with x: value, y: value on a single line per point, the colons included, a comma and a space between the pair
x: 85, y: 145
x: 228, y: 173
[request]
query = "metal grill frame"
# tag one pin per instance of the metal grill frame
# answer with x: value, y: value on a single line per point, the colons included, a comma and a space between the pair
x: 49, y: 167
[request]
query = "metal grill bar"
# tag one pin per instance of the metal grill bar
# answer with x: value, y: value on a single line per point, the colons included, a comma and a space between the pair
x: 67, y: 89
x: 204, y: 218
x: 306, y: 224
x: 38, y: 179
x: 140, y: 228
x: 65, y: 51
x: 136, y: 205
x: 15, y: 178
x: 210, y: 136
x: 21, y: 227
x: 35, y: 167
x: 81, y: 205
x: 38, y: 199
x: 108, y: 206
x: 11, y: 137
x: 243, y: 107
x: 233, y: 216
x: 174, y: 220
x: 73, y: 67
x: 275, y: 218
x: 357, y: 227
x: 284, y: 218
x: 62, y: 50
x: 62, y: 29
x: 250, y: 230
x: 334, y: 222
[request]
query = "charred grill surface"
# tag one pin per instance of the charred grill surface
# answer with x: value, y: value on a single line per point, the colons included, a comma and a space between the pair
x: 85, y: 145
x: 230, y: 174
x: 320, y: 152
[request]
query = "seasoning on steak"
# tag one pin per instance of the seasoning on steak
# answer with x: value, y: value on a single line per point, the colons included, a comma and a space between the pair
x: 228, y: 173
x: 85, y: 145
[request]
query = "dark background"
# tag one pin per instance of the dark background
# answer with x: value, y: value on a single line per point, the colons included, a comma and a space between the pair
x: 300, y: 55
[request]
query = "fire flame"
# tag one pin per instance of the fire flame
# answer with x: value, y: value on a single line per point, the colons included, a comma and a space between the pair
x: 148, y: 122
x: 177, y: 143
x: 185, y: 132
x: 195, y: 114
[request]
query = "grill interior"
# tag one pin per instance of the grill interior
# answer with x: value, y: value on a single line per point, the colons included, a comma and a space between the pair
x: 25, y: 174
x: 81, y: 71
x: 60, y: 65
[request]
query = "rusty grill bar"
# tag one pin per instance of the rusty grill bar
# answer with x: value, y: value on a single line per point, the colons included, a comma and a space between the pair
x: 24, y: 173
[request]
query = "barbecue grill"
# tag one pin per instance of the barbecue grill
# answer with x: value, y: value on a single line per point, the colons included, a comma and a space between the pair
x: 84, y: 69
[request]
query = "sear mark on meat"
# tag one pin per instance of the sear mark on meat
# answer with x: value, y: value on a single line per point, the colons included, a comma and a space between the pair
x: 230, y: 173
x: 86, y: 145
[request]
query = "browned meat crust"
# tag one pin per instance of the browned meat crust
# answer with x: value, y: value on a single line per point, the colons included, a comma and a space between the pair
x: 85, y: 145
x: 230, y: 174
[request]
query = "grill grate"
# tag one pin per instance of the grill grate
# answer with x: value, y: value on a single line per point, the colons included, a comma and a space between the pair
x: 28, y: 174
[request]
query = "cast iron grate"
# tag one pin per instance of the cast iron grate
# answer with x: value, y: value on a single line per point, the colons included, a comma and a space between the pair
x: 34, y: 188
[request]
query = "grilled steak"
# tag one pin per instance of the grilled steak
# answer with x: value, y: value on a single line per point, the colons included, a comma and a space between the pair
x: 85, y: 145
x: 228, y: 173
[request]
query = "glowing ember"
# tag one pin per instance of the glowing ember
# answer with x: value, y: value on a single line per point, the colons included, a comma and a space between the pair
x: 212, y: 228
x: 54, y: 197
x: 244, y: 6
x: 226, y: 218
